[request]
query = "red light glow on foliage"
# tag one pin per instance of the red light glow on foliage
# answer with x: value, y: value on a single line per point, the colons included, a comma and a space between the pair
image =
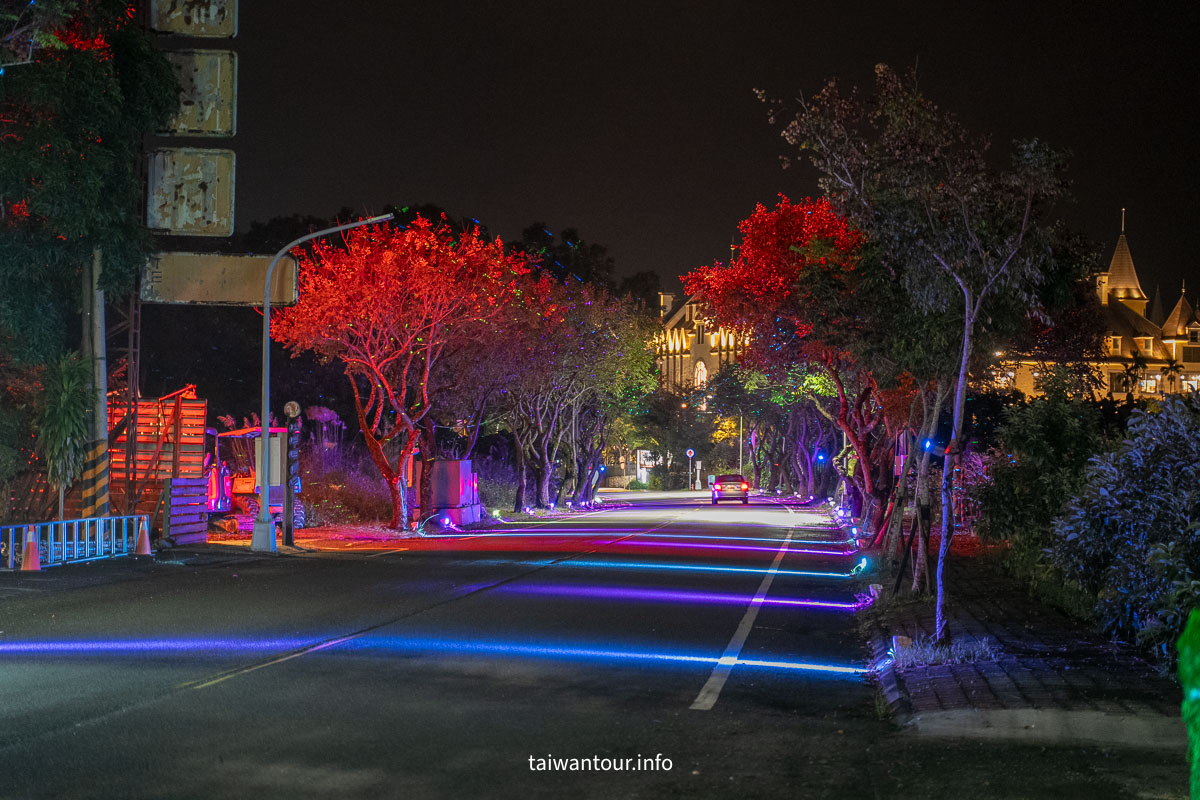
x: 75, y: 39
x: 778, y: 244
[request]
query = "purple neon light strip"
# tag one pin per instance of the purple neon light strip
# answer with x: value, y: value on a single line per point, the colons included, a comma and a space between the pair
x: 665, y: 596
x: 600, y: 532
x: 116, y: 646
x: 693, y: 546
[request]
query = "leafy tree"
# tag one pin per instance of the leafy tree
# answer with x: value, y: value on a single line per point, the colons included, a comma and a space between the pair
x: 27, y: 26
x: 567, y: 257
x: 668, y: 425
x: 964, y: 233
x: 62, y: 429
x: 577, y: 359
x: 388, y: 304
x: 19, y: 387
x: 643, y: 287
x: 72, y: 123
x: 788, y: 289
x: 1131, y: 536
x: 1170, y: 372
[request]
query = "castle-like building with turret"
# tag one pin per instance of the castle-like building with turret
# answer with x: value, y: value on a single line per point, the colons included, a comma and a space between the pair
x: 1147, y: 351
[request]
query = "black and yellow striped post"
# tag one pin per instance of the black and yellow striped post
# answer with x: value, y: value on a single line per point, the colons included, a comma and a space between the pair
x: 95, y: 481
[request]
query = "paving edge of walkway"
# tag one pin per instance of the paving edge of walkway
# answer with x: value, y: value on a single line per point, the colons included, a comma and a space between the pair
x: 1031, y: 725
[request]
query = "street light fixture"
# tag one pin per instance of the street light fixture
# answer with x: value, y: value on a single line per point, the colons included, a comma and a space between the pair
x: 263, y: 540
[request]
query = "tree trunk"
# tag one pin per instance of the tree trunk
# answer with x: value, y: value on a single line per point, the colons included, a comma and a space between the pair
x: 425, y: 490
x: 522, y: 475
x: 953, y: 450
x: 545, y: 473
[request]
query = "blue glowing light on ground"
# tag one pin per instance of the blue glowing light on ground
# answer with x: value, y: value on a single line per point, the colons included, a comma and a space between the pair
x: 412, y: 646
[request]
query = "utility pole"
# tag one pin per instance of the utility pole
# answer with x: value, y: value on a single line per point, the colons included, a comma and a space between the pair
x: 95, y: 470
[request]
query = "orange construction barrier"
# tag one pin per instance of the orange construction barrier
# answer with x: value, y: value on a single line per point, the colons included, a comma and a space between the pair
x: 143, y: 541
x: 31, y: 557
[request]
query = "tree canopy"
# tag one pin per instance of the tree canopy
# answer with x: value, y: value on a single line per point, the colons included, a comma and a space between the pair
x: 387, y: 303
x: 71, y: 127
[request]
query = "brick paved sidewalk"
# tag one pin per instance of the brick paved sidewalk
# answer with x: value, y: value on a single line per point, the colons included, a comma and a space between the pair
x: 1052, y: 678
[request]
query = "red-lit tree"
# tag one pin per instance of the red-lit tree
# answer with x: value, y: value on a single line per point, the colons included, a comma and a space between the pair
x: 388, y: 303
x: 791, y: 289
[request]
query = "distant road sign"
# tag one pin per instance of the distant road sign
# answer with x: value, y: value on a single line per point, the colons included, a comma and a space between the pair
x: 218, y: 279
x: 203, y: 18
x: 208, y: 93
x: 190, y: 191
x: 690, y: 452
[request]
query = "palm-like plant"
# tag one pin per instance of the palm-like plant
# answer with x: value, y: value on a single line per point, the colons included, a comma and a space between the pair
x: 62, y: 429
x: 1135, y: 370
x: 1171, y: 371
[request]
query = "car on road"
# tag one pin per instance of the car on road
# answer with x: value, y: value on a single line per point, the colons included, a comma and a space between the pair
x: 730, y: 487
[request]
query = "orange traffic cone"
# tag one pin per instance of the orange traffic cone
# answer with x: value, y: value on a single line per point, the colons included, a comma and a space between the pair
x: 31, y: 557
x: 143, y: 541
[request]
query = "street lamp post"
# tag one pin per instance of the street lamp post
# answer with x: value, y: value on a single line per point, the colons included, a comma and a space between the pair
x: 741, y: 471
x: 264, y: 532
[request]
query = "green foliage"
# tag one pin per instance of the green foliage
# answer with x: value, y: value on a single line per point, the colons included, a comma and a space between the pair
x: 62, y: 416
x: 1041, y: 461
x: 73, y: 126
x: 636, y: 484
x: 567, y: 257
x: 24, y: 23
x: 1131, y: 536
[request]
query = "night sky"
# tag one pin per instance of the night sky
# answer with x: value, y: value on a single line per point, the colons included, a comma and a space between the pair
x: 636, y: 123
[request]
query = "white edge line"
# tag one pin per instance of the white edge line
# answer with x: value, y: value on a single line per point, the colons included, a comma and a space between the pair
x: 716, y: 681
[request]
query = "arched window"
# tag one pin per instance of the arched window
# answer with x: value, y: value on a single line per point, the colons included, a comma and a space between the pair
x: 701, y: 374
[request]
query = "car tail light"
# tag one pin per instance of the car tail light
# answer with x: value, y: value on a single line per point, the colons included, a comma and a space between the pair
x: 745, y: 486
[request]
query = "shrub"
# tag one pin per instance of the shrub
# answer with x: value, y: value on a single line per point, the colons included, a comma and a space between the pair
x: 497, y: 484
x: 636, y: 484
x: 1040, y: 463
x: 343, y: 489
x: 1132, y: 534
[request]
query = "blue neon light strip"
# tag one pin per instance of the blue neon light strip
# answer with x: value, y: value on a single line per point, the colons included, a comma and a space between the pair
x: 415, y: 646
x: 664, y: 596
x: 700, y: 568
x: 584, y: 654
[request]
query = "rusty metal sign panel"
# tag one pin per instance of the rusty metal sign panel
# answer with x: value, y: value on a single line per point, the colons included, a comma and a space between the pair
x: 190, y: 191
x: 208, y: 96
x: 218, y: 279
x: 204, y: 18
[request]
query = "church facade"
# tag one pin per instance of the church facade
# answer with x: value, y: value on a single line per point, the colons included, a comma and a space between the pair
x: 690, y: 349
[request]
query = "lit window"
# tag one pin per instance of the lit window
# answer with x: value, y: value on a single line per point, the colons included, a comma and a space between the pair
x: 1116, y: 346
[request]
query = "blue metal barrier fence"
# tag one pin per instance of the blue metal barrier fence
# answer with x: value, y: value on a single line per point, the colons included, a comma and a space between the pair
x: 72, y: 540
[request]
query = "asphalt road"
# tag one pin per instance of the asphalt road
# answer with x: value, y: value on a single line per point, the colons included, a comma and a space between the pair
x: 720, y: 642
